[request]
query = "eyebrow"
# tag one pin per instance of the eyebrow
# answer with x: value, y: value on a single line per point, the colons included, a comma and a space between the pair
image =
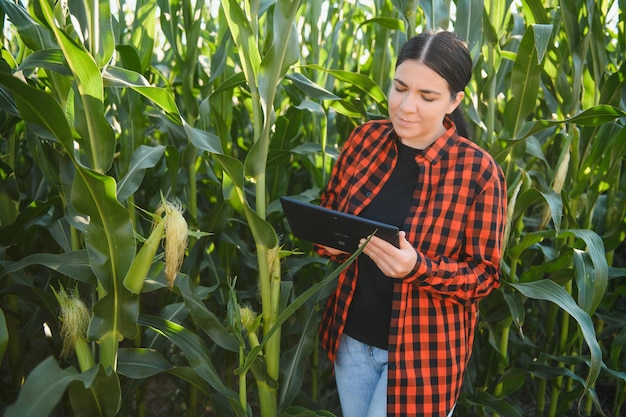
x: 421, y: 91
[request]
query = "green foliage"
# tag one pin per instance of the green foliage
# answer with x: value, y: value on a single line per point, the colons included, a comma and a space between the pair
x: 229, y: 106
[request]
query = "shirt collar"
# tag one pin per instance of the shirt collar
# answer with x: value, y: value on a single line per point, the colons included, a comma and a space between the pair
x: 442, y: 145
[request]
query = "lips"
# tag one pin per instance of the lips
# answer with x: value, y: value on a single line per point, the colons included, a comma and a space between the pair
x: 405, y: 123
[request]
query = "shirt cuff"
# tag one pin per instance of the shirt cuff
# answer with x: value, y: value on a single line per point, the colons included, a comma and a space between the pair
x: 421, y: 269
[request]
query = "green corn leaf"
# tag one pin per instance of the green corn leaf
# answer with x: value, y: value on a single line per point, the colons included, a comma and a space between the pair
x: 311, y: 89
x: 549, y: 291
x: 169, y: 22
x: 546, y: 371
x: 51, y: 59
x: 244, y: 39
x: 408, y: 10
x: 118, y: 77
x: 387, y: 22
x: 525, y: 80
x: 486, y: 400
x: 196, y: 352
x: 596, y: 18
x: 593, y: 116
x: 542, y: 33
x: 44, y: 388
x: 93, y: 19
x: 35, y: 36
x: 516, y: 307
x: 532, y: 196
x: 114, y: 317
x: 140, y: 363
x: 205, y: 141
x: 300, y: 411
x: 186, y: 373
x: 144, y: 30
x: 284, y: 52
x: 110, y: 242
x: 229, y: 83
x: 101, y: 31
x: 44, y: 299
x: 97, y: 138
x: 437, y: 13
x: 40, y: 110
x: 613, y: 87
x: 498, y: 12
x: 468, y: 25
x: 293, y: 361
x: 127, y: 57
x: 264, y: 232
x: 595, y: 251
x: 6, y: 101
x: 585, y: 282
x: 596, y: 283
x: 114, y: 76
x: 203, y: 317
x: 101, y: 398
x: 597, y: 115
x: 72, y: 264
x: 281, y: 55
x: 110, y: 238
x: 360, y: 81
x: 535, y: 10
x: 144, y: 158
x: 4, y: 335
x: 569, y: 15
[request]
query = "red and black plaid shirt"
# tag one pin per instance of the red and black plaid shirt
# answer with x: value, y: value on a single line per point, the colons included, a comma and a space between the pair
x: 456, y: 224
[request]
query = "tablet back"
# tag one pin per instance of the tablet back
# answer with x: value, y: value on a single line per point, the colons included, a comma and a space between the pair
x: 333, y: 228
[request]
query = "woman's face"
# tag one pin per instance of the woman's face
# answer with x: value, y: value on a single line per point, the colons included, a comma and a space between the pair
x: 418, y: 102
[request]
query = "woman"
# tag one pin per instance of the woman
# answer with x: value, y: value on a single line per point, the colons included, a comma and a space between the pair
x: 400, y: 325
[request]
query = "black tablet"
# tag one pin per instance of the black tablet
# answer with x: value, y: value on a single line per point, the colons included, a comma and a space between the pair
x: 333, y: 228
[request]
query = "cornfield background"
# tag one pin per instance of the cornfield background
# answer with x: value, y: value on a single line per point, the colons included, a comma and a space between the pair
x: 109, y: 109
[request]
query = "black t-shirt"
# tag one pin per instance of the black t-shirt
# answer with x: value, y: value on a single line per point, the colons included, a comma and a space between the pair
x: 370, y: 310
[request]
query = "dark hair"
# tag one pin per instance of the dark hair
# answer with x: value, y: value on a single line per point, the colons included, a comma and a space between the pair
x: 448, y: 56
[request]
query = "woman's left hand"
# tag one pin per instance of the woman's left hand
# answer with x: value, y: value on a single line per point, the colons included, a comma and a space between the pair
x: 393, y: 262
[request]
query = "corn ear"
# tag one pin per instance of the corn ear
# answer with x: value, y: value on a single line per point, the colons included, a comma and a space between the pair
x: 176, y: 238
x: 75, y: 317
x: 84, y: 354
x: 248, y: 319
x: 138, y: 271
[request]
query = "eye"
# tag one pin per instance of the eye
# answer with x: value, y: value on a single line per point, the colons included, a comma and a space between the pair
x: 399, y: 86
x: 428, y: 99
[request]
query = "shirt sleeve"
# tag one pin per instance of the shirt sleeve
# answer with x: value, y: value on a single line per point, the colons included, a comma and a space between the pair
x: 476, y: 272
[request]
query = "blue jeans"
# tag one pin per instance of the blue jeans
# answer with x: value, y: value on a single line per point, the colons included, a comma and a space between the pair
x: 361, y: 375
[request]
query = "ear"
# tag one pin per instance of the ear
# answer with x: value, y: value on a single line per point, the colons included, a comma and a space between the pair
x: 454, y: 103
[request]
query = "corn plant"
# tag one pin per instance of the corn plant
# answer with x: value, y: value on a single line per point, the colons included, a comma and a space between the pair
x: 556, y: 118
x: 112, y: 111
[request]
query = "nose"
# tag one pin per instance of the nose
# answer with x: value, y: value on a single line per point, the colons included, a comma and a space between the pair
x: 409, y: 103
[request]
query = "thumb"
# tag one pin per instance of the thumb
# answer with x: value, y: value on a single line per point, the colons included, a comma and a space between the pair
x: 404, y: 244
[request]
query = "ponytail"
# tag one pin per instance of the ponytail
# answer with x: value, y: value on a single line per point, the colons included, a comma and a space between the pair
x: 462, y: 127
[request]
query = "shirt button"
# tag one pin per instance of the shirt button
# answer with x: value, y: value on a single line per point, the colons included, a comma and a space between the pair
x: 368, y: 193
